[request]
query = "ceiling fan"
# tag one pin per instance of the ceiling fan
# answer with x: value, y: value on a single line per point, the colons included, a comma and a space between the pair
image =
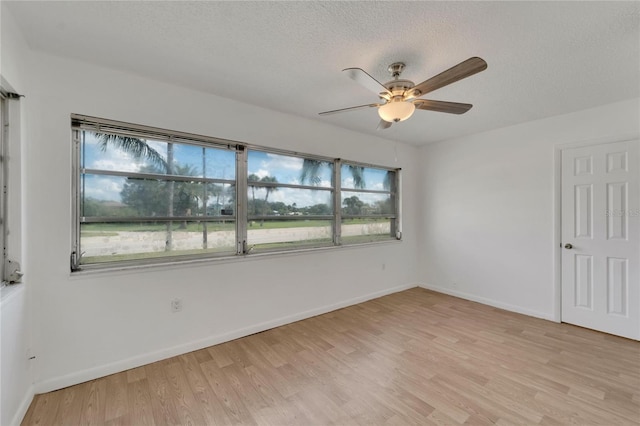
x: 400, y: 98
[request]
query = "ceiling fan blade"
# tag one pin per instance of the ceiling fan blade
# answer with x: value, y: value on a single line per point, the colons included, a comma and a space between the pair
x: 383, y: 125
x: 363, y: 78
x: 335, y: 111
x: 442, y: 106
x: 463, y: 70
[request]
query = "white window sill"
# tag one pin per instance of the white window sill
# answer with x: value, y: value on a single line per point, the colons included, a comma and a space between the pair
x: 7, y: 292
x: 207, y: 261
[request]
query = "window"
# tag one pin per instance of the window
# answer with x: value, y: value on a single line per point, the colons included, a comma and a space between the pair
x: 368, y: 202
x: 3, y: 182
x: 145, y: 195
x: 9, y: 184
x: 152, y: 196
x: 290, y: 201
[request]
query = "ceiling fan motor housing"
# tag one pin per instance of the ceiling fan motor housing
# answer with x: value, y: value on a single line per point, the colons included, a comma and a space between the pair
x: 397, y: 87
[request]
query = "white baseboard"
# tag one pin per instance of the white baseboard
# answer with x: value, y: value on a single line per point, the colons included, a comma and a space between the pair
x: 147, y: 358
x: 490, y: 302
x: 23, y: 407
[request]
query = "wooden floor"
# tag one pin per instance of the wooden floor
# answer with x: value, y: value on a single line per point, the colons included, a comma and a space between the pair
x: 415, y: 357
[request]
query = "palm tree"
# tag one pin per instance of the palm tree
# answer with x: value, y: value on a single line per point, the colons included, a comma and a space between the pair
x: 387, y: 183
x: 311, y: 172
x: 256, y: 182
x: 137, y: 148
x: 253, y: 178
x: 357, y: 172
x: 269, y: 189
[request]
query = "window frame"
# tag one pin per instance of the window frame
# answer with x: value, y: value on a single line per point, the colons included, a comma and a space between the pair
x: 393, y: 193
x: 80, y: 123
x: 10, y: 241
x: 330, y: 189
x: 4, y: 177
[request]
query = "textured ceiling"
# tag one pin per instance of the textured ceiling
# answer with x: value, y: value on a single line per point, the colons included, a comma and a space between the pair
x: 545, y: 58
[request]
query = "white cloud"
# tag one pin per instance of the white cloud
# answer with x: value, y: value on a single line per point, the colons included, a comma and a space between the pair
x: 159, y: 147
x: 113, y: 164
x: 302, y: 198
x: 282, y: 162
x: 104, y: 188
x: 262, y: 173
x: 112, y: 159
x: 347, y: 182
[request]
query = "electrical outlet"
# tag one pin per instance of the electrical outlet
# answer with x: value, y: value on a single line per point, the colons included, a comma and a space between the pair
x: 176, y: 305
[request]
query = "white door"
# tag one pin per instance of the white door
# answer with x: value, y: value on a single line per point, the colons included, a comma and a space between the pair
x: 601, y: 238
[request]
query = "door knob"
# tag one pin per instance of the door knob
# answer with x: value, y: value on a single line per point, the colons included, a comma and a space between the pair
x: 568, y: 246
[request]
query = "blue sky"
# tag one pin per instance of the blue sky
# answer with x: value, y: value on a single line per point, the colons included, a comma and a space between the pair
x: 220, y: 164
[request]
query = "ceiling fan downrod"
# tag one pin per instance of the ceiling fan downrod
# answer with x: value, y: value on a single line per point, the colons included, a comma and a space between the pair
x: 396, y: 69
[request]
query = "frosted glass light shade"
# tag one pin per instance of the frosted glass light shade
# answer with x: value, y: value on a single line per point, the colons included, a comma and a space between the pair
x: 393, y: 112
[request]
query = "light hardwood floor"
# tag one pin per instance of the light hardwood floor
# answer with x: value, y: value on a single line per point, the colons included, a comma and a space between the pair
x: 415, y: 357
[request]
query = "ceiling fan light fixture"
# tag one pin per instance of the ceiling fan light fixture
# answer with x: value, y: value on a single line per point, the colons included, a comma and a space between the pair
x: 394, y: 112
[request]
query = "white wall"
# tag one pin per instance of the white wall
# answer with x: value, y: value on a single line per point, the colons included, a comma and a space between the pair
x: 96, y: 323
x: 487, y: 207
x: 16, y: 390
x: 15, y: 375
x: 481, y: 206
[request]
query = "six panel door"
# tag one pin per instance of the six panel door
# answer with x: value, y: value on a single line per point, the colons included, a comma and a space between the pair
x: 601, y: 238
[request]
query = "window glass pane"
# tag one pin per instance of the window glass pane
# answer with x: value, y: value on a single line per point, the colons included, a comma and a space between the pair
x: 125, y: 154
x: 191, y: 160
x: 103, y: 196
x: 103, y: 151
x: 220, y: 164
x: 188, y: 160
x: 358, y: 177
x: 111, y: 242
x: 281, y: 201
x: 365, y: 203
x: 283, y: 234
x: 362, y: 230
x: 117, y: 196
x: 220, y: 199
x: 122, y: 196
x: 287, y: 169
